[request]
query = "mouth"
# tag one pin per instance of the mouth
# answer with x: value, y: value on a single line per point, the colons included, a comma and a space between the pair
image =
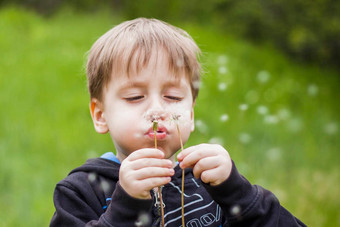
x: 161, y: 133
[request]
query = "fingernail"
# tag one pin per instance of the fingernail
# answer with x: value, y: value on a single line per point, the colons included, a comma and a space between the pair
x: 179, y: 155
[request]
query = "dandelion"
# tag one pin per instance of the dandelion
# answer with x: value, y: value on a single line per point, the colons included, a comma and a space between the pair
x: 283, y: 114
x: 175, y: 118
x: 263, y: 76
x: 262, y: 110
x: 224, y: 117
x: 143, y: 220
x: 155, y: 128
x: 216, y: 140
x: 274, y: 154
x: 243, y: 107
x: 294, y: 125
x: 222, y: 59
x: 244, y: 138
x: 222, y: 70
x: 235, y: 210
x: 92, y: 177
x: 201, y: 126
x: 105, y: 186
x: 271, y: 119
x: 312, y: 90
x: 331, y: 128
x: 222, y: 86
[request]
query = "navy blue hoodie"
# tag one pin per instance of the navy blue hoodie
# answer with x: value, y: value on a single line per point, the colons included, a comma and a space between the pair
x: 92, y: 196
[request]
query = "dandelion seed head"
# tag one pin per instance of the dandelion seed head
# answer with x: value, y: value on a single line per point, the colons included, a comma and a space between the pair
x: 92, y: 177
x: 222, y: 59
x: 244, y: 138
x: 283, y: 114
x: 331, y: 128
x: 263, y: 76
x: 222, y: 86
x: 224, y: 117
x: 105, y: 186
x: 262, y: 110
x: 235, y: 210
x: 274, y: 154
x: 222, y: 70
x: 294, y: 125
x: 243, y: 107
x: 144, y: 219
x: 197, y: 85
x: 201, y: 126
x: 312, y: 89
x: 180, y: 63
x: 271, y: 119
x: 91, y: 154
x: 216, y: 140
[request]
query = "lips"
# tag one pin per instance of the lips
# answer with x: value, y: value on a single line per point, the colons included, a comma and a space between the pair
x: 161, y: 133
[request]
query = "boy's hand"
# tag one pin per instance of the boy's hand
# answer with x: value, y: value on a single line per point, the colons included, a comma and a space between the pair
x: 210, y: 162
x: 144, y: 170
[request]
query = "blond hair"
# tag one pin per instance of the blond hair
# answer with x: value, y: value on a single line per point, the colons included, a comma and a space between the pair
x: 129, y: 45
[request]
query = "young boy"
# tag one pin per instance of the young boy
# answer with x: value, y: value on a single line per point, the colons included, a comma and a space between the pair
x: 139, y: 72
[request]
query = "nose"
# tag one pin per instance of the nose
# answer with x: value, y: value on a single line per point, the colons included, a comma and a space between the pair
x: 156, y: 110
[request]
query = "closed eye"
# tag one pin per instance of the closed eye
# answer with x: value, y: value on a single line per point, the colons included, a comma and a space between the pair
x: 175, y: 98
x: 134, y: 98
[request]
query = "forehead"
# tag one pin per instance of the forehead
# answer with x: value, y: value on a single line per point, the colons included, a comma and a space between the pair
x: 158, y: 63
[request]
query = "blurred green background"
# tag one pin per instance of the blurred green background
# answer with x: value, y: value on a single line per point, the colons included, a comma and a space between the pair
x: 269, y: 94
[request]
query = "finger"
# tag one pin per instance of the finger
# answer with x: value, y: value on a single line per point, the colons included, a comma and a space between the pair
x: 151, y: 162
x: 145, y: 153
x: 153, y: 182
x: 193, y: 157
x: 152, y: 172
x: 205, y: 164
x: 186, y: 151
x: 211, y: 176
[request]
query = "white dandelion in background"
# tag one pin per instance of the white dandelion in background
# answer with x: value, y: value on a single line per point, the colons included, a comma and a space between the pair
x: 201, y: 126
x: 263, y: 76
x: 222, y: 86
x: 331, y: 128
x: 271, y: 119
x: 312, y: 89
x: 92, y: 177
x: 262, y: 110
x: 235, y: 210
x: 197, y: 85
x: 243, y: 107
x: 222, y: 59
x: 216, y: 140
x: 244, y: 138
x: 294, y: 125
x: 274, y: 154
x: 283, y: 114
x: 222, y: 70
x: 224, y: 117
x: 105, y: 186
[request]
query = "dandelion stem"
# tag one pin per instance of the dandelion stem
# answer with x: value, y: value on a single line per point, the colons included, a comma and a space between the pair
x: 155, y: 127
x: 183, y: 173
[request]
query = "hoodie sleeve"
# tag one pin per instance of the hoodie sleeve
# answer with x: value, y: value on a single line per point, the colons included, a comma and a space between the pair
x: 74, y: 208
x: 249, y: 205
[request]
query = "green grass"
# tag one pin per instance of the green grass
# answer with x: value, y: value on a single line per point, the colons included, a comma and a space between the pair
x: 292, y: 148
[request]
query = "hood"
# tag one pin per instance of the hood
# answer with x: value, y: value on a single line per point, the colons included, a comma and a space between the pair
x: 101, y: 166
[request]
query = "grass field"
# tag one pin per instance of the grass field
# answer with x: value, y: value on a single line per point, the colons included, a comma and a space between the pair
x: 278, y: 119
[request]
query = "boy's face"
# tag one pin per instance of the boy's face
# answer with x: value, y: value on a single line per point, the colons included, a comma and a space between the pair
x: 131, y: 103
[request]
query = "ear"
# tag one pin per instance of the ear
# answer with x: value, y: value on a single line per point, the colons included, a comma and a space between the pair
x: 192, y: 118
x: 98, y: 118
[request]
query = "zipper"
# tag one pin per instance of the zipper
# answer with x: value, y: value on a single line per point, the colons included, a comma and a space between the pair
x: 157, y: 205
